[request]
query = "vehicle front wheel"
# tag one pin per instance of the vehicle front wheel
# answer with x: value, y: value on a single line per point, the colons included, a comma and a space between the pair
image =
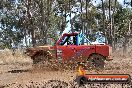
x: 96, y: 61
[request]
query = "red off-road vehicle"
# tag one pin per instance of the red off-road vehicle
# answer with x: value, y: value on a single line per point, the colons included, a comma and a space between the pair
x: 72, y: 49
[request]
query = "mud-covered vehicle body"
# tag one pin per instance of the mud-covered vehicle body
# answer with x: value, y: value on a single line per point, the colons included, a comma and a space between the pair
x: 72, y: 48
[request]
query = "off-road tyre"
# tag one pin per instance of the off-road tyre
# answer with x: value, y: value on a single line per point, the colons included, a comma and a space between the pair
x: 96, y: 61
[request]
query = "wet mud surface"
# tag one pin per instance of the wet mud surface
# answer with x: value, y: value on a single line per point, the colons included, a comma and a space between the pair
x: 20, y: 75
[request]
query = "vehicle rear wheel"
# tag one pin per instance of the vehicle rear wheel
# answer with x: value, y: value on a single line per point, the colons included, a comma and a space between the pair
x: 44, y: 61
x: 96, y: 62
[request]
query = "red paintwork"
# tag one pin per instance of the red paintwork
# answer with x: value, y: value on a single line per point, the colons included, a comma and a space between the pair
x: 102, y: 50
x: 71, y: 52
x: 80, y: 51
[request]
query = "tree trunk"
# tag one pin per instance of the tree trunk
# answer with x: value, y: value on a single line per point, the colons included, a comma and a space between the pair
x: 110, y: 22
x: 87, y: 32
x: 113, y: 28
x: 125, y: 45
x: 25, y: 34
x: 30, y: 26
x: 103, y: 17
x: 131, y: 3
x: 33, y: 38
x: 127, y: 37
x: 65, y: 11
x: 81, y: 16
x: 70, y: 15
x: 43, y: 23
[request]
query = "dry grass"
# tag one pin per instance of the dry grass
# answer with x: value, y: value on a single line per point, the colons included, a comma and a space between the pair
x: 7, y: 57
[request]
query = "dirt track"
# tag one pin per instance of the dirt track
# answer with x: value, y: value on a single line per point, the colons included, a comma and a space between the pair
x: 20, y: 75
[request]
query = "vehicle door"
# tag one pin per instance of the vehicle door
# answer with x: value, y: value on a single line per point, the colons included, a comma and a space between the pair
x: 66, y: 49
x: 84, y: 48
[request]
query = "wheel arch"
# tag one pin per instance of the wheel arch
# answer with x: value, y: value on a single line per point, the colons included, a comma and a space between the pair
x: 97, y: 54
